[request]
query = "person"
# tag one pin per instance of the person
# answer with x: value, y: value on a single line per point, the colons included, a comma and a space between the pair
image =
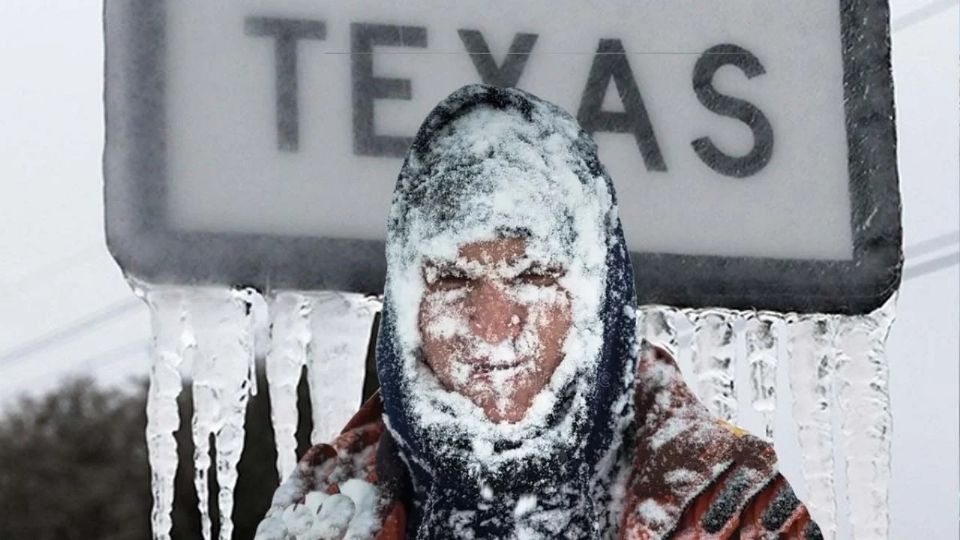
x: 516, y: 399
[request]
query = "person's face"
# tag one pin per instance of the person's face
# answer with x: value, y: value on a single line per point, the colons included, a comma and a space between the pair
x: 493, y: 324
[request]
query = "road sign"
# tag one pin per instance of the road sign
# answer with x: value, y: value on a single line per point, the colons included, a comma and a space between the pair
x: 751, y: 142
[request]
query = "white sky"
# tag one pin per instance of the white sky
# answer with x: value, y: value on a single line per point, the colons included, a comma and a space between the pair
x: 66, y: 308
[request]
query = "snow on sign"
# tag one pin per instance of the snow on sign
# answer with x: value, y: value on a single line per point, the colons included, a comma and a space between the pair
x: 752, y: 142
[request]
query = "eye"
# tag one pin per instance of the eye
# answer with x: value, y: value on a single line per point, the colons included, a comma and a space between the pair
x: 451, y: 282
x: 444, y: 276
x: 448, y: 279
x: 539, y: 276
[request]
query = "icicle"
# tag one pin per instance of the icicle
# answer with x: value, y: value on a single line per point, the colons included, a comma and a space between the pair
x: 760, y: 338
x: 713, y: 361
x: 811, y: 369
x: 222, y: 385
x: 863, y: 395
x: 170, y: 339
x: 289, y: 338
x: 656, y: 325
x: 341, y: 324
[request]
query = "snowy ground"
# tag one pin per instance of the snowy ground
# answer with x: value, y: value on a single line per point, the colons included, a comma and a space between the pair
x: 67, y: 310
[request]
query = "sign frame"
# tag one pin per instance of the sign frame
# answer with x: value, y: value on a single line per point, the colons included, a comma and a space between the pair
x: 140, y: 239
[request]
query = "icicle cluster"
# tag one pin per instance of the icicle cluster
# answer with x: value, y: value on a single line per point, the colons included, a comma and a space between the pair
x: 811, y: 368
x: 656, y: 325
x: 207, y: 336
x: 223, y: 379
x: 340, y: 328
x: 837, y: 371
x: 838, y: 377
x: 328, y: 333
x: 713, y: 361
x: 171, y: 340
x: 289, y: 338
x: 864, y: 398
x: 760, y: 337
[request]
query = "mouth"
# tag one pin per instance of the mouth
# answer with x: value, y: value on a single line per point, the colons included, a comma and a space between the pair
x: 483, y: 366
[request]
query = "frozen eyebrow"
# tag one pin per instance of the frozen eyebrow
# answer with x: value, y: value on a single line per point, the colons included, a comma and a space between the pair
x: 546, y: 267
x: 541, y: 267
x: 446, y: 267
x: 434, y: 270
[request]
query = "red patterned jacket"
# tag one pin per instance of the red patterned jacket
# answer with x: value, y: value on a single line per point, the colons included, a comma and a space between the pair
x: 694, y: 477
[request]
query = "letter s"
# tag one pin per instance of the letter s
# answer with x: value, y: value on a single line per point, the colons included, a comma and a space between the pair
x: 713, y: 59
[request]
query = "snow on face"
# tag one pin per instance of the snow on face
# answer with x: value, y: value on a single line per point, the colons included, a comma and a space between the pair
x: 492, y: 323
x: 491, y: 176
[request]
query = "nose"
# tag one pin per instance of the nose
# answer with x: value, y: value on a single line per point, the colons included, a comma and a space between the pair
x: 494, y: 316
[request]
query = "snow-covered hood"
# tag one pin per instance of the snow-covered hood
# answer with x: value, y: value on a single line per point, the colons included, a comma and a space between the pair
x: 488, y: 162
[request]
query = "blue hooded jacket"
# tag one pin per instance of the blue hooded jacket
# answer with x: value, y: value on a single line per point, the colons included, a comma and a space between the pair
x: 445, y: 189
